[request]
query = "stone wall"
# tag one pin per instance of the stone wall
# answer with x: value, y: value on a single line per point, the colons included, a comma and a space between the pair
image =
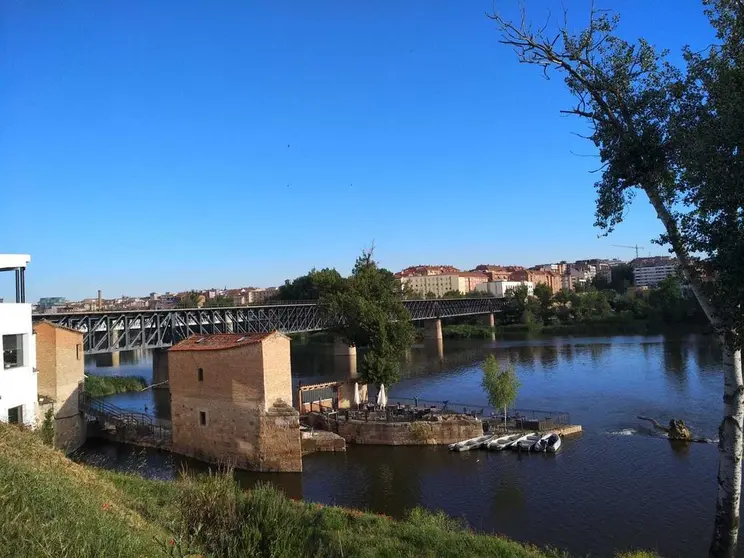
x: 450, y: 429
x: 247, y: 422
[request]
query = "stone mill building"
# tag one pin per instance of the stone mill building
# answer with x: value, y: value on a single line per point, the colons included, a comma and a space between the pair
x: 231, y: 401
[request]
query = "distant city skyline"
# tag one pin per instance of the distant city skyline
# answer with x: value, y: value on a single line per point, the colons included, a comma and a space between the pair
x: 231, y: 286
x: 146, y: 148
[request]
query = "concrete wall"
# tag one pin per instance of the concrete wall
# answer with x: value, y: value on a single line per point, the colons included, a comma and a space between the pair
x: 18, y: 384
x: 245, y: 394
x: 61, y: 368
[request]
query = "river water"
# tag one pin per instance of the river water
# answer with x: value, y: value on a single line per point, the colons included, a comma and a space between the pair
x: 617, y: 486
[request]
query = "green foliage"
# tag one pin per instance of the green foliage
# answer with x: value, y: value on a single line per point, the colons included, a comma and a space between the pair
x: 189, y: 300
x: 374, y: 317
x: 467, y: 331
x: 46, y: 432
x: 311, y: 286
x: 501, y: 386
x: 622, y: 278
x: 220, y: 301
x: 50, y: 506
x: 98, y: 386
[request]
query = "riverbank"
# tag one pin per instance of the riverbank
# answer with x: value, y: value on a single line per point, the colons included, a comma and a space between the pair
x: 610, y: 326
x: 51, y: 506
x: 99, y: 386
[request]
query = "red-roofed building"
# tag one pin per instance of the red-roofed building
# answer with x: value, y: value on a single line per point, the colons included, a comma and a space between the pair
x: 231, y: 401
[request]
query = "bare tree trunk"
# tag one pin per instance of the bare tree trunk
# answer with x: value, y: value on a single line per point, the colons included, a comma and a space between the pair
x: 730, y: 446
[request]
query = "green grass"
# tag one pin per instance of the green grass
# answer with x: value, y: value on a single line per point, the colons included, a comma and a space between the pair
x: 51, y: 506
x: 468, y: 331
x: 97, y: 386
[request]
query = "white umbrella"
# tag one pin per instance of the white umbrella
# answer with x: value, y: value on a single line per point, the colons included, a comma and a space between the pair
x: 357, y: 399
x: 381, y: 397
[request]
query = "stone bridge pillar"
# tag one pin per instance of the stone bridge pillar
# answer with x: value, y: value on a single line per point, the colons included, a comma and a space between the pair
x: 433, y: 329
x: 433, y: 339
x: 490, y: 321
x: 112, y: 358
x: 344, y: 358
x: 160, y: 368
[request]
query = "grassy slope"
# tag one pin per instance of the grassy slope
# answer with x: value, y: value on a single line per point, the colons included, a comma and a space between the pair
x: 50, y: 506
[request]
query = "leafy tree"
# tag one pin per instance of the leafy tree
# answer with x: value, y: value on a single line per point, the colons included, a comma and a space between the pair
x: 430, y: 295
x: 311, y: 286
x: 190, y: 300
x: 677, y: 137
x: 501, y: 386
x: 544, y: 297
x: 601, y: 283
x: 373, y: 315
x: 220, y: 301
x: 453, y: 294
x: 622, y: 278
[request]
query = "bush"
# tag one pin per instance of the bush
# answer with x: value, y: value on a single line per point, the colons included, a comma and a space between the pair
x: 98, y: 386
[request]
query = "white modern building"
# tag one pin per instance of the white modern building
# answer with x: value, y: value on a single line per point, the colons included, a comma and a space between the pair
x: 18, y: 381
x: 649, y: 272
x: 500, y: 289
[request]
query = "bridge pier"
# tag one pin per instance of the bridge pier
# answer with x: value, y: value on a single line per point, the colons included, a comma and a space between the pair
x: 344, y: 358
x: 160, y: 368
x: 433, y: 340
x: 490, y: 321
x: 108, y: 360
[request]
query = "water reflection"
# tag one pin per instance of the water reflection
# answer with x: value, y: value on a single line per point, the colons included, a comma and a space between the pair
x: 618, y: 485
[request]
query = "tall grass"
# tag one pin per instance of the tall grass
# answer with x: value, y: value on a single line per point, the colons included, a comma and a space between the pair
x: 98, y: 386
x: 50, y: 506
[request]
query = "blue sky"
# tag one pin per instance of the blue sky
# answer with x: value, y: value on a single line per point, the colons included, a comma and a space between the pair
x: 152, y: 146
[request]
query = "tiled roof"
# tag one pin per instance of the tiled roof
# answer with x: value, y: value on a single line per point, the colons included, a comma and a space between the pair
x: 219, y: 341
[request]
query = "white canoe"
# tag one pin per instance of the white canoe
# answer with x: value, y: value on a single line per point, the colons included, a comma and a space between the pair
x: 525, y: 443
x: 472, y: 443
x: 502, y: 442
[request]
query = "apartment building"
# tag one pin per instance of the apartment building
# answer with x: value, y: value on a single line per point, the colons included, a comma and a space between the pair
x: 18, y: 382
x: 439, y: 285
x: 500, y: 289
x: 536, y: 276
x: 649, y: 272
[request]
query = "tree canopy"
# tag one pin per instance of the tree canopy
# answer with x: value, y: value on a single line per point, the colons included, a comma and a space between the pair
x: 501, y: 386
x: 311, y: 286
x: 373, y: 316
x: 676, y: 135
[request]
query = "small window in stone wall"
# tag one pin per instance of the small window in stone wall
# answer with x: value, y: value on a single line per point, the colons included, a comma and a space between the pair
x: 202, y: 417
x: 78, y: 351
x: 200, y: 374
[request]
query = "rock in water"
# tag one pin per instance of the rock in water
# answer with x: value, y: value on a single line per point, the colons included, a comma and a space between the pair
x: 678, y: 430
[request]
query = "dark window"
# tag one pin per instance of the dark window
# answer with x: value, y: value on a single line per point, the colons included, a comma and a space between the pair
x: 202, y: 418
x: 15, y: 415
x: 12, y: 351
x: 200, y: 374
x: 78, y: 351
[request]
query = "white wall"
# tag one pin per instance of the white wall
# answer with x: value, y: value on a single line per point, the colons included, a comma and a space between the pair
x: 499, y: 289
x: 18, y: 386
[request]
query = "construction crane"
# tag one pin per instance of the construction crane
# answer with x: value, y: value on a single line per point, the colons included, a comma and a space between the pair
x: 636, y: 247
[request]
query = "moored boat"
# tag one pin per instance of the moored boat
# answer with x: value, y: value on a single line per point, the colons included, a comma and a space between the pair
x: 526, y: 442
x: 554, y: 443
x: 502, y: 442
x: 472, y: 443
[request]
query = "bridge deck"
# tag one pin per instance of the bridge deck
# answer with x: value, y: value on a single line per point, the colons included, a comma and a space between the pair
x: 110, y: 331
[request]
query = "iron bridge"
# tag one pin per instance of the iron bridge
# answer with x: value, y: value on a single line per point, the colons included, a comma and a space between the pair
x: 123, y: 330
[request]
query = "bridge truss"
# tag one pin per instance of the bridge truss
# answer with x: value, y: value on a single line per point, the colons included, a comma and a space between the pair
x: 109, y: 331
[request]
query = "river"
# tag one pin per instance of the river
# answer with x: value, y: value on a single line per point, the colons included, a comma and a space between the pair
x: 617, y: 486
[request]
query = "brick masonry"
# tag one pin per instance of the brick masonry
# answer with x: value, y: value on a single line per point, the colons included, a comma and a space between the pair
x: 240, y: 413
x: 61, y: 367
